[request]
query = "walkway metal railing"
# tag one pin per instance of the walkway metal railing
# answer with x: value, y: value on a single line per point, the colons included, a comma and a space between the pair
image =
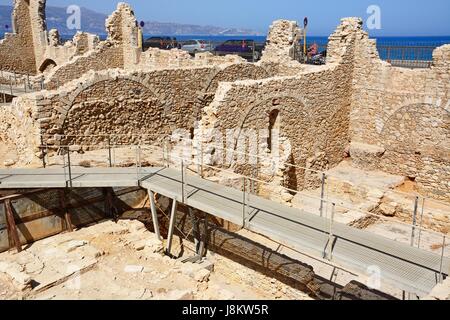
x: 15, y: 84
x: 193, y: 161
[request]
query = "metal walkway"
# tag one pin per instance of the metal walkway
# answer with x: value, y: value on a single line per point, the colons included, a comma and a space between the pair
x: 407, y: 268
x: 15, y: 91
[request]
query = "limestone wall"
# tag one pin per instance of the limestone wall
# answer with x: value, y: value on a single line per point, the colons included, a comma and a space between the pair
x: 19, y: 132
x: 400, y: 119
x: 31, y: 49
x: 121, y: 102
x: 312, y: 108
x: 17, y: 49
x: 119, y: 50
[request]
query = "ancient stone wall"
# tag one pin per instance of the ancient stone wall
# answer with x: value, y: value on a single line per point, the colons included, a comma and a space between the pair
x: 400, y: 119
x: 123, y: 103
x: 120, y: 49
x: 312, y: 109
x: 19, y: 131
x: 17, y: 49
x: 281, y: 41
x: 31, y: 49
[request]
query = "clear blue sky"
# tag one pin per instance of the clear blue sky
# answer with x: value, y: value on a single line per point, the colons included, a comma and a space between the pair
x: 398, y: 17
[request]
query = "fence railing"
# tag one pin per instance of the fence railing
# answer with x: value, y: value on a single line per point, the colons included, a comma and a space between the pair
x: 14, y: 84
x: 192, y: 157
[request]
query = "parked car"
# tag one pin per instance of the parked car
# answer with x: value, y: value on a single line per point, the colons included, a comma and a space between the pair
x: 194, y: 46
x: 319, y: 58
x: 245, y: 48
x: 165, y: 43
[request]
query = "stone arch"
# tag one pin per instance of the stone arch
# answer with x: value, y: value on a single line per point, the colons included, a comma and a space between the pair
x: 47, y: 65
x: 231, y: 73
x: 99, y: 78
x: 275, y: 100
x: 117, y: 105
x: 415, y: 125
x: 291, y: 109
x: 415, y: 139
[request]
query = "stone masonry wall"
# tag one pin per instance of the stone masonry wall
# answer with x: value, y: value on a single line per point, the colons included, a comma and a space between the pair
x: 121, y: 102
x: 313, y: 109
x: 117, y: 51
x: 400, y: 119
x: 31, y: 49
x: 17, y: 49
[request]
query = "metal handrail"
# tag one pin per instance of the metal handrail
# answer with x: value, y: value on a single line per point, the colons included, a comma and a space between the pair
x: 267, y: 160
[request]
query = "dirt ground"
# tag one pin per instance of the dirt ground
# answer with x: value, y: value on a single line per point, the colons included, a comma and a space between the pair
x: 117, y: 261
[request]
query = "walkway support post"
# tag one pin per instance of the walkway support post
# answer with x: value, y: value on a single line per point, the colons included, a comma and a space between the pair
x: 330, y: 235
x: 151, y: 196
x: 201, y: 159
x: 441, y: 278
x: 205, y: 237
x: 196, y: 230
x: 414, y: 221
x: 243, y: 202
x: 43, y: 152
x: 66, y: 213
x: 138, y: 161
x: 12, y: 227
x: 171, y: 226
x: 69, y: 167
x: 183, y: 188
x: 421, y: 223
x: 109, y: 152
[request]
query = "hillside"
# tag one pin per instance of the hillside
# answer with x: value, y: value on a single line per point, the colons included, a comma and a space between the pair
x: 94, y: 22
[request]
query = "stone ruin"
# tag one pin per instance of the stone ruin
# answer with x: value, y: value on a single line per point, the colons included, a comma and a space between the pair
x: 356, y: 107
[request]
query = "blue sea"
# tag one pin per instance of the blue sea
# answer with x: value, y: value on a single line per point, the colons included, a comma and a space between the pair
x: 402, y: 48
x: 394, y: 48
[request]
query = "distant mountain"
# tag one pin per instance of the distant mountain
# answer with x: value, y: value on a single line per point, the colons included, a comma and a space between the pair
x: 94, y: 22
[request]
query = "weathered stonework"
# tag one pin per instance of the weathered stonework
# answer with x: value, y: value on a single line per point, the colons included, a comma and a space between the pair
x: 400, y: 119
x: 383, y: 117
x: 153, y: 103
x: 281, y: 40
x: 31, y: 49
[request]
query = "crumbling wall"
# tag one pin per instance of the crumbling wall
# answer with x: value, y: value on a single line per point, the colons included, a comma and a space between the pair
x: 120, y: 102
x: 313, y: 110
x: 120, y: 49
x: 19, y: 131
x: 281, y: 42
x: 31, y: 49
x: 17, y: 50
x: 400, y: 119
x: 280, y: 55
